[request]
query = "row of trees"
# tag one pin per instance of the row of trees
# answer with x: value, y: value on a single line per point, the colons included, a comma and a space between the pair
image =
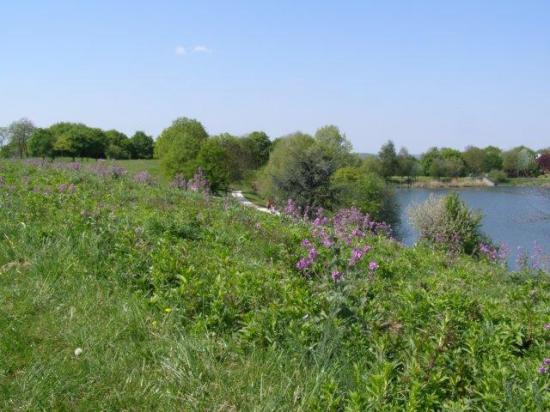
x: 185, y: 146
x: 22, y: 139
x: 447, y: 162
x: 314, y: 171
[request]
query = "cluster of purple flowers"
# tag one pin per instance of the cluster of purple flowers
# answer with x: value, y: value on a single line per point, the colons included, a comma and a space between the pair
x: 350, y: 224
x: 357, y: 254
x: 305, y: 262
x: 198, y: 183
x: 343, y: 236
x: 66, y: 188
x: 103, y: 170
x: 544, y: 367
x: 538, y: 260
x: 494, y: 253
x: 144, y: 177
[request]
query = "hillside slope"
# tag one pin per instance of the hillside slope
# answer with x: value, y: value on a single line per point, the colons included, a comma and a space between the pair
x: 185, y: 302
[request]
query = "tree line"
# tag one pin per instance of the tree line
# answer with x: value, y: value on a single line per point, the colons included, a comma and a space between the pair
x: 22, y: 139
x: 444, y: 162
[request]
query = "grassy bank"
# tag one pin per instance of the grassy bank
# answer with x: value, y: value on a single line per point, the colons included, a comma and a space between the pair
x: 185, y: 302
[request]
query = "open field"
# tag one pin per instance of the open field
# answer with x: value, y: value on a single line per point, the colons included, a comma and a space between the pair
x: 185, y: 302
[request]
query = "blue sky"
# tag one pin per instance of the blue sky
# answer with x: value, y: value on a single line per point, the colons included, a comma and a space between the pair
x: 421, y: 73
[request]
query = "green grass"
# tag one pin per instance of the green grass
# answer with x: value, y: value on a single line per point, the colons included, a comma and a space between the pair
x: 181, y: 302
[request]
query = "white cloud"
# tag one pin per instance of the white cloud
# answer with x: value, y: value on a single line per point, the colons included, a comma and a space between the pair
x: 180, y: 50
x: 201, y: 49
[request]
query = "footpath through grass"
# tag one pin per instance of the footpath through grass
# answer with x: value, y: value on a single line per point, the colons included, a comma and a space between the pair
x: 186, y: 302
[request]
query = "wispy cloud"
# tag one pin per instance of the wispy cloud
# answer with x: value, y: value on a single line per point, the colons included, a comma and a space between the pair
x: 180, y: 51
x: 201, y: 49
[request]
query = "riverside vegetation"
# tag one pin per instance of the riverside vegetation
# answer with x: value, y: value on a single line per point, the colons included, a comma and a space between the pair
x: 120, y: 293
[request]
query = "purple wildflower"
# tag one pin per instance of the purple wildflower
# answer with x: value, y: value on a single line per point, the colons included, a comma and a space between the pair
x: 546, y: 361
x: 303, y: 263
x: 547, y: 326
x: 373, y: 266
x: 542, y: 370
x: 336, y: 275
x: 143, y: 177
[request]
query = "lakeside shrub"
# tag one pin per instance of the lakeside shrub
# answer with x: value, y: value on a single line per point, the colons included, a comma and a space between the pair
x: 497, y: 176
x: 446, y: 222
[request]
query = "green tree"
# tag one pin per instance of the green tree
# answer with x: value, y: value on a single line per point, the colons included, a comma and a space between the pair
x: 19, y: 134
x: 257, y: 147
x: 493, y: 158
x: 367, y: 192
x: 118, y: 146
x: 236, y: 158
x: 178, y: 146
x: 212, y: 159
x: 428, y: 158
x: 141, y: 146
x: 301, y: 170
x: 475, y: 160
x: 388, y: 159
x: 42, y: 143
x: 407, y: 164
x: 336, y: 146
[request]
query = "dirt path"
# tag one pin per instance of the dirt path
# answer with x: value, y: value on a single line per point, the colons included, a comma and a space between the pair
x: 237, y: 194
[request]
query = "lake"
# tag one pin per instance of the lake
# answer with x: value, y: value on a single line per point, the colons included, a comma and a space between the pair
x: 514, y: 216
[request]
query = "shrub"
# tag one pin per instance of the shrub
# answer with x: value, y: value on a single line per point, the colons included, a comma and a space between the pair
x: 448, y: 223
x: 497, y: 176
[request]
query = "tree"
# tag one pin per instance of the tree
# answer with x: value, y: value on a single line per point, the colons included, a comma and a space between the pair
x: 118, y: 145
x: 407, y: 164
x: 19, y: 133
x: 336, y: 145
x: 257, y: 147
x: 493, y: 158
x: 178, y: 146
x: 519, y: 161
x: 475, y: 160
x: 367, y: 192
x: 212, y: 159
x: 42, y: 143
x: 388, y: 159
x: 428, y: 158
x: 141, y: 146
x: 236, y: 159
x: 300, y: 169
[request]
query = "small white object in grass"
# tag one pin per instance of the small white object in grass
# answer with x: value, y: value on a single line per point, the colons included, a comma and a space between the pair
x: 77, y: 351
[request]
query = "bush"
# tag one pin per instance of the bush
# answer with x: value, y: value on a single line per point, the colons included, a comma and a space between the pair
x: 497, y: 176
x: 446, y: 222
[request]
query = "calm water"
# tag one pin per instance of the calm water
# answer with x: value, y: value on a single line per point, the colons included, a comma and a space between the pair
x: 515, y: 216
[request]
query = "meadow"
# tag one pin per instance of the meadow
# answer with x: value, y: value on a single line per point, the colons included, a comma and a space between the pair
x: 179, y: 300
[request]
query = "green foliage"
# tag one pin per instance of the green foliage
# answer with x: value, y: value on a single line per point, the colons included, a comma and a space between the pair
x: 213, y: 160
x: 493, y: 158
x: 301, y: 170
x: 18, y: 135
x: 367, y: 192
x: 475, y: 160
x: 141, y: 146
x: 389, y: 164
x: 41, y: 143
x: 182, y: 302
x: 497, y: 176
x: 118, y: 146
x: 178, y: 146
x: 520, y: 161
x: 336, y: 146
